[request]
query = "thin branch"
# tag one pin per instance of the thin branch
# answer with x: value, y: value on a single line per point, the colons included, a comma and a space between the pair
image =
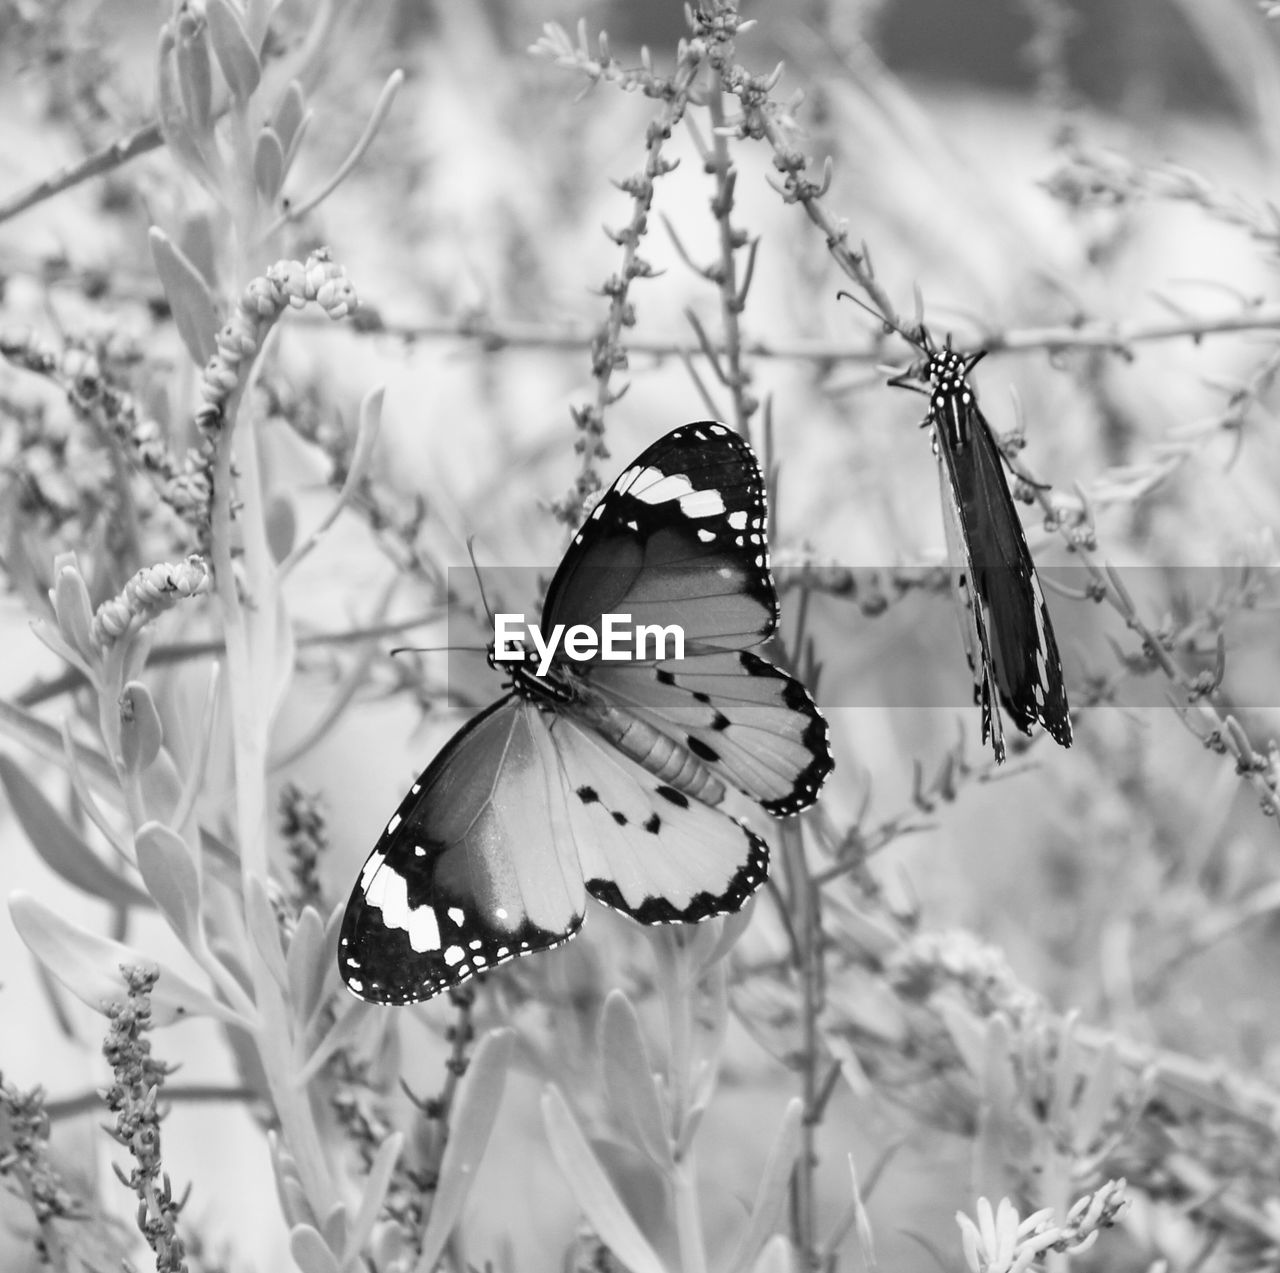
x: 732, y: 294
x: 110, y: 157
x: 184, y: 651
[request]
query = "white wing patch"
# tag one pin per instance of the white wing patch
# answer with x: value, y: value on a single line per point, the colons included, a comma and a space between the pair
x: 652, y: 486
x: 389, y: 892
x: 702, y: 504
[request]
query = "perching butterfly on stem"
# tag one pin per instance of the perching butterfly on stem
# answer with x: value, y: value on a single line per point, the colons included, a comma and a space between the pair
x: 604, y: 777
x: 1007, y: 633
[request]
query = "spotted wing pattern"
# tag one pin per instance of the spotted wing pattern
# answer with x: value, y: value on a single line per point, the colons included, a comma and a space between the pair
x: 605, y: 777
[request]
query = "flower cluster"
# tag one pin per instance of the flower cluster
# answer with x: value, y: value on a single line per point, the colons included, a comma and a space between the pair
x: 302, y: 827
x: 1000, y: 1242
x: 287, y: 284
x: 25, y: 1163
x: 150, y: 592
x: 134, y: 1099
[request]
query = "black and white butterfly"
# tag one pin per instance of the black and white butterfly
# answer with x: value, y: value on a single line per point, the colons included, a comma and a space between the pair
x: 604, y: 777
x: 1008, y: 635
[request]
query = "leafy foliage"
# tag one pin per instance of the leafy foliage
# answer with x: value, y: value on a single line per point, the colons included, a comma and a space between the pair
x: 199, y: 448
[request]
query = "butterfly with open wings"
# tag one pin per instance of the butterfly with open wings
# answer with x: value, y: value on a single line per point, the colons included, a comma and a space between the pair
x: 1008, y: 635
x: 605, y: 778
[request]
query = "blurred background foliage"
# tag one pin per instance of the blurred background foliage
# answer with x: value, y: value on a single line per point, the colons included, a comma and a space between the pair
x: 1083, y: 187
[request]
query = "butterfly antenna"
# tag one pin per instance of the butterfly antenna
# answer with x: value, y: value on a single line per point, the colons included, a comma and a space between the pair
x: 922, y: 342
x: 842, y: 295
x: 918, y: 337
x: 475, y: 565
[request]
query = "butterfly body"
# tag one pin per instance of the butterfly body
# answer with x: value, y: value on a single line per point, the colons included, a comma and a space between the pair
x: 1009, y: 637
x: 597, y: 777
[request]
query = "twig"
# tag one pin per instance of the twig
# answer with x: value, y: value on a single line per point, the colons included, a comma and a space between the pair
x: 607, y: 352
x: 139, y: 142
x: 184, y: 651
x: 733, y: 295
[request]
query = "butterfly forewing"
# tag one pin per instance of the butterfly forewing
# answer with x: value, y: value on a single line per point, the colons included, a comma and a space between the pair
x: 1009, y: 635
x: 471, y: 869
x: 972, y: 612
x: 680, y: 537
x: 692, y: 510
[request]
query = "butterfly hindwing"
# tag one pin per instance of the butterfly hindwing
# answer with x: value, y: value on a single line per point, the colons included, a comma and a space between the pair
x: 646, y: 848
x: 748, y: 721
x: 474, y: 868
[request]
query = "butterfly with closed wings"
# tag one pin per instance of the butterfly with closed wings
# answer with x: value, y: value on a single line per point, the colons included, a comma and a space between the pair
x: 604, y: 777
x: 1008, y: 636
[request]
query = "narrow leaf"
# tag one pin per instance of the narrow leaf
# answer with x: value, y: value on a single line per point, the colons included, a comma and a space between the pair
x: 141, y: 732
x: 967, y: 1034
x: 233, y: 49
x: 333, y: 1228
x: 1098, y: 1098
x: 366, y: 439
x: 1063, y: 1090
x: 195, y: 75
x: 264, y: 931
x: 389, y: 1247
x: 268, y: 164
x: 63, y: 849
x: 162, y: 787
x: 89, y: 966
x: 474, y: 1115
x: 168, y: 870
x: 288, y: 114
x: 284, y: 653
x: 778, y: 1257
x: 182, y: 816
x: 376, y: 1185
x: 341, y: 1033
x: 592, y: 1189
x: 629, y: 1080
x: 1002, y: 1136
x: 75, y: 758
x: 294, y: 1205
x: 291, y: 152
x: 306, y: 966
x: 281, y: 525
x: 772, y: 1194
x: 72, y: 607
x: 196, y: 243
x: 195, y: 313
x: 862, y: 1222
x: 49, y: 636
x: 310, y: 1252
x: 174, y: 124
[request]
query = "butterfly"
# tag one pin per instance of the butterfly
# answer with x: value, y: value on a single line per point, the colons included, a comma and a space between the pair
x: 1008, y: 635
x: 604, y: 778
